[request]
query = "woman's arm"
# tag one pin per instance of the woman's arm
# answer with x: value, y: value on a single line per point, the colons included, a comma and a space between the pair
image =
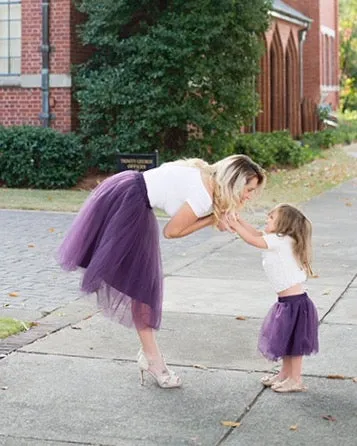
x: 185, y: 222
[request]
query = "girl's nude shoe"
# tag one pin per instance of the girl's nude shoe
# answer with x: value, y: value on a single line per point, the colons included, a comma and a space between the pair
x: 289, y: 385
x: 270, y: 380
x: 167, y: 379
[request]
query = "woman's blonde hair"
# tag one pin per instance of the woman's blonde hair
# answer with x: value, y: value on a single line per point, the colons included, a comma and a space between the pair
x: 291, y: 221
x: 230, y: 175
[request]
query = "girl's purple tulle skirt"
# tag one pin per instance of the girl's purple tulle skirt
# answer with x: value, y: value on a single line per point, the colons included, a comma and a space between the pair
x: 290, y: 328
x: 115, y: 240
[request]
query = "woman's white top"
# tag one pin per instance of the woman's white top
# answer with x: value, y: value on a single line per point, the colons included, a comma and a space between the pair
x: 279, y: 263
x: 171, y: 185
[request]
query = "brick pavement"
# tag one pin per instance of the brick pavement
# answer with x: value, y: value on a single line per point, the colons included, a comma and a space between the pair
x: 29, y: 241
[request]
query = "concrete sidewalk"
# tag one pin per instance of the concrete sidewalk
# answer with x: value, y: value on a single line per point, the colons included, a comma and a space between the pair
x: 80, y: 385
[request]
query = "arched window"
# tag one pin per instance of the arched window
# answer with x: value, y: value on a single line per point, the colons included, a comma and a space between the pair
x: 10, y: 37
x: 277, y: 106
x: 292, y: 88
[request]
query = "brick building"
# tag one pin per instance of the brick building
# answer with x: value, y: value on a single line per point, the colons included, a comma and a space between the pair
x: 38, y: 46
x: 300, y: 67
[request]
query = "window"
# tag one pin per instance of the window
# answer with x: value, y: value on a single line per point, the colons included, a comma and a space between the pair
x: 10, y: 37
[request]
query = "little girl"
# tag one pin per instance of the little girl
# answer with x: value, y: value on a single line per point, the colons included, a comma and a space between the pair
x: 290, y: 330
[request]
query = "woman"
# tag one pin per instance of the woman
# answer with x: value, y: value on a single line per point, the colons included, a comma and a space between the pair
x: 115, y: 238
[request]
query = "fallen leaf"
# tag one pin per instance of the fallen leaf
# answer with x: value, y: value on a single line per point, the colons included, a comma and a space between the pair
x: 326, y: 292
x: 49, y: 198
x: 241, y: 318
x: 293, y: 427
x: 335, y: 377
x: 13, y: 294
x: 230, y: 423
x: 328, y: 417
x: 30, y: 245
x: 199, y: 366
x: 34, y: 324
x: 51, y: 230
x: 6, y: 305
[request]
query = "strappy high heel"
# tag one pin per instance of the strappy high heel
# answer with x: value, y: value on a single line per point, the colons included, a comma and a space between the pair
x: 167, y: 379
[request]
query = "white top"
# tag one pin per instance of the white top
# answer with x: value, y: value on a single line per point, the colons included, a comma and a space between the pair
x: 279, y: 263
x: 171, y: 185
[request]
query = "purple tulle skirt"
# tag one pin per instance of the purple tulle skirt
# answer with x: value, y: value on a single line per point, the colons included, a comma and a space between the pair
x: 290, y: 328
x: 115, y: 240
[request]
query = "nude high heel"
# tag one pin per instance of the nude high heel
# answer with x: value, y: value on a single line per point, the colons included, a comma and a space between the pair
x: 167, y: 379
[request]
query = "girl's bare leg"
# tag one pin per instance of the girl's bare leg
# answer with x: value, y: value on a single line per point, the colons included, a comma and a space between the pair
x: 296, y: 368
x: 285, y: 371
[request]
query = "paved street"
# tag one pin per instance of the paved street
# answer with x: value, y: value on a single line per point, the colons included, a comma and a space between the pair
x: 79, y: 385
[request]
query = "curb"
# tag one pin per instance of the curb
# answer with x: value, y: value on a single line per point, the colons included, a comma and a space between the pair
x: 55, y: 321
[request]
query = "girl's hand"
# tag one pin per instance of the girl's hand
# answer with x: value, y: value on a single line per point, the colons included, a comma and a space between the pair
x: 223, y: 224
x: 232, y: 220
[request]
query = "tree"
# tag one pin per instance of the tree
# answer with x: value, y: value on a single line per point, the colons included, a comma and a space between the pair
x: 348, y: 54
x: 173, y: 75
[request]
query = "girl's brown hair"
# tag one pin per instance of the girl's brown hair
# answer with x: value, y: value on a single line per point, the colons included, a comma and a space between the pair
x: 291, y: 221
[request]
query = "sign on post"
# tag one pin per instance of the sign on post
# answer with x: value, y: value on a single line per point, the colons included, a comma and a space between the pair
x: 138, y: 161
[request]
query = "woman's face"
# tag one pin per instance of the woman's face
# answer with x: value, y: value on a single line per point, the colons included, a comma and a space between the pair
x: 249, y: 190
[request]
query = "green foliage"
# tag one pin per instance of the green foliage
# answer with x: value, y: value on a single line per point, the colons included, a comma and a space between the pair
x: 345, y: 133
x: 273, y: 149
x: 348, y: 54
x: 323, y: 140
x: 9, y: 327
x: 172, y: 75
x: 40, y: 158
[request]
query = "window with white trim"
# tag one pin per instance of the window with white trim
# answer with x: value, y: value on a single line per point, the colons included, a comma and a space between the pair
x: 10, y: 37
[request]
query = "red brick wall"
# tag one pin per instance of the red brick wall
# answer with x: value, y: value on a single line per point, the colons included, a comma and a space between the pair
x: 31, y: 36
x: 20, y: 106
x: 323, y: 13
x: 23, y: 105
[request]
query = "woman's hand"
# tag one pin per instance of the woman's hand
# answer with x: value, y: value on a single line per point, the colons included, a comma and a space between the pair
x: 226, y: 223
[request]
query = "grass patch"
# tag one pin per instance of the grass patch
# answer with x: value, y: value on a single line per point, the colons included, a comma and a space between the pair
x: 9, y: 327
x: 44, y: 200
x: 284, y: 185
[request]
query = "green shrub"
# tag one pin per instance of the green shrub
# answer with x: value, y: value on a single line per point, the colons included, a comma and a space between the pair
x: 40, y: 158
x: 320, y: 140
x: 271, y: 149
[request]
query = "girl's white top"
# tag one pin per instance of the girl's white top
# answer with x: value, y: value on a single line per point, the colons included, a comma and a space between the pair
x: 279, y: 263
x: 171, y: 185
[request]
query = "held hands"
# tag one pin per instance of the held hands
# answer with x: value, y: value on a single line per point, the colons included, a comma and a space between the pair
x: 228, y: 222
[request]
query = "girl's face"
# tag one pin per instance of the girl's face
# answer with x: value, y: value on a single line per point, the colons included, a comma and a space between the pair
x: 270, y: 223
x: 249, y: 189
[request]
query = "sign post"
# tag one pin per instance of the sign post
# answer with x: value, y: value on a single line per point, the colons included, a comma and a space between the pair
x: 138, y: 161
